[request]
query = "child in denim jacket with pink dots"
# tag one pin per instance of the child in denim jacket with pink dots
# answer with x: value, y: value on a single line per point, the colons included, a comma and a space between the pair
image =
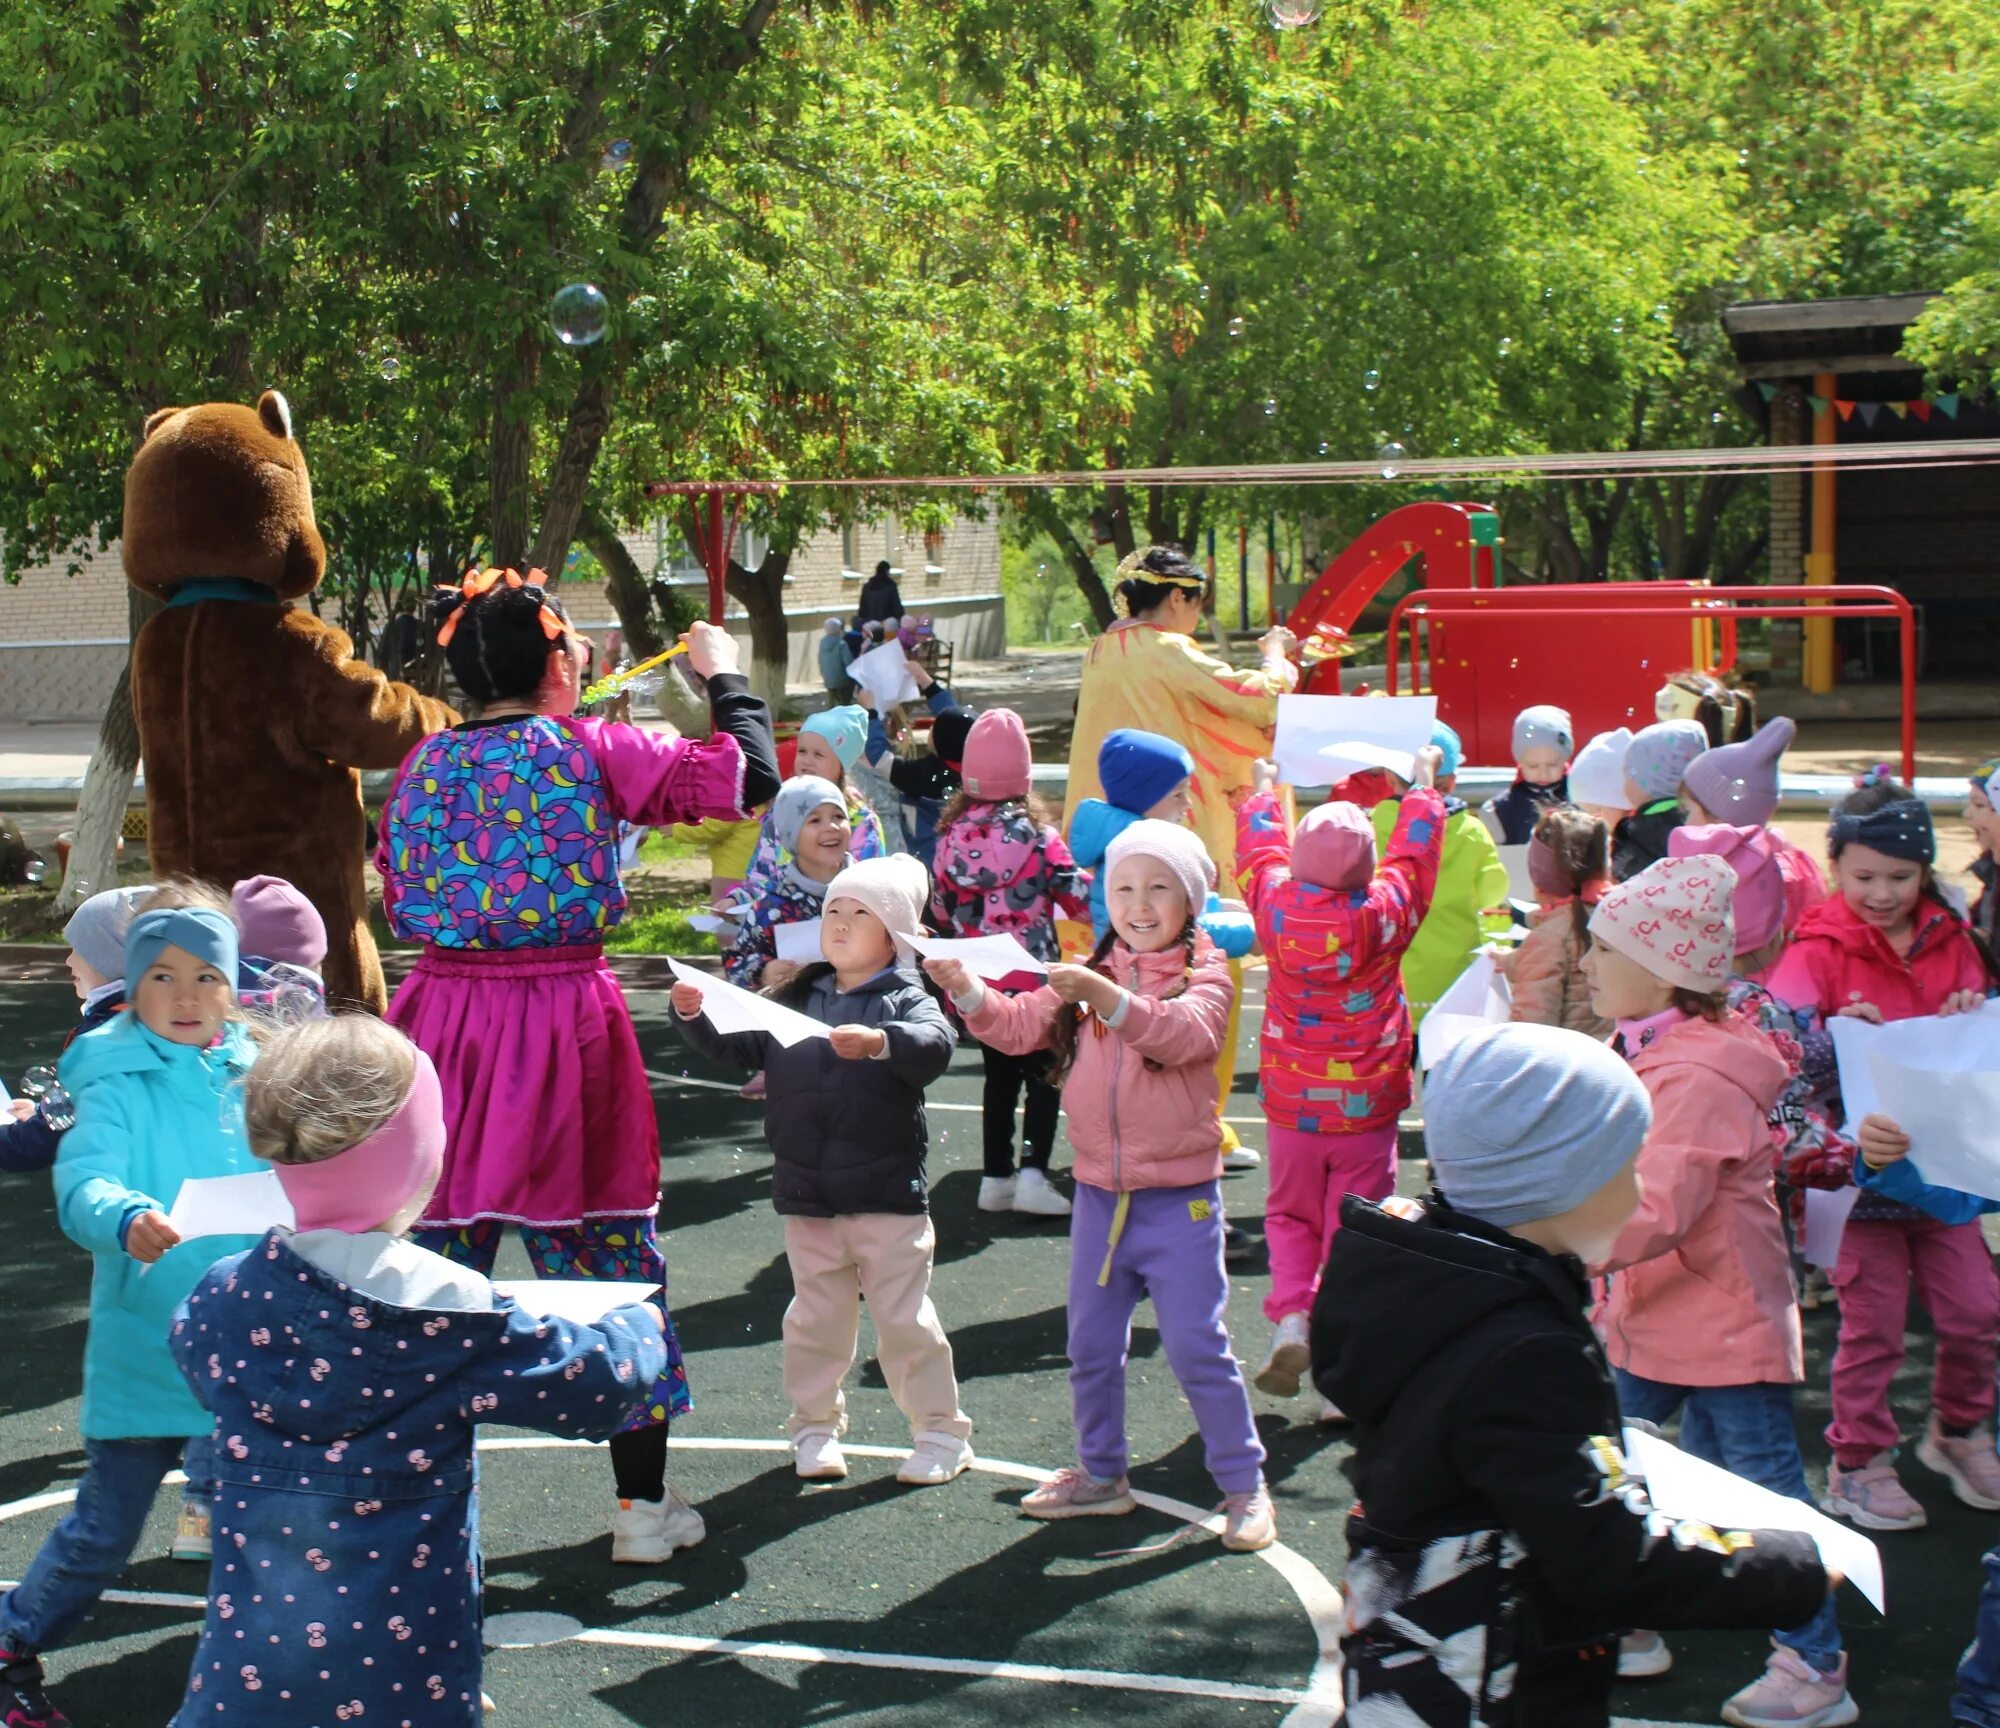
x: 348, y: 1369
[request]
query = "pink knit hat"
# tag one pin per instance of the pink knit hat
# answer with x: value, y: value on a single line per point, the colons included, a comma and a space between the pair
x: 997, y: 761
x: 1334, y: 847
x: 1674, y: 919
x: 1759, y: 901
x: 278, y: 922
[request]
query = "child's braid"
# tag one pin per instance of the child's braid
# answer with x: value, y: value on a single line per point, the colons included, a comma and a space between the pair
x: 1064, y: 1034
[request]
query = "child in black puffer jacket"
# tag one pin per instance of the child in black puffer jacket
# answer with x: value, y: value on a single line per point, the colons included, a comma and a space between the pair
x: 844, y: 1117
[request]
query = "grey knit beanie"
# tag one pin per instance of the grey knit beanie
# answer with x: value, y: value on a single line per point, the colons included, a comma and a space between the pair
x: 1525, y: 1121
x: 1660, y: 755
x: 96, y: 929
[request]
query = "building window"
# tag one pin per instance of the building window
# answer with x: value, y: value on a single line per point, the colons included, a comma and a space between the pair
x: 850, y: 551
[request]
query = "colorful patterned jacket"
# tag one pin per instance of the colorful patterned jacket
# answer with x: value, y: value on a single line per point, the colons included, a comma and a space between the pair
x: 1336, y: 1046
x: 998, y: 869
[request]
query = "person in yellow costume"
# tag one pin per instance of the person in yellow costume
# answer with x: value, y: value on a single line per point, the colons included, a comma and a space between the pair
x: 1471, y: 882
x: 1148, y: 672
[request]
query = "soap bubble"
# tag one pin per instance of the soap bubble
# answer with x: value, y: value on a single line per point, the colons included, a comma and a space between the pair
x: 617, y: 154
x: 350, y: 81
x: 1618, y: 326
x: 392, y: 368
x: 1235, y: 328
x: 35, y: 870
x: 57, y: 1111
x: 1390, y: 456
x: 1506, y: 346
x: 1371, y: 379
x: 1204, y: 294
x: 1292, y: 14
x: 35, y: 1083
x: 579, y: 314
x: 1270, y: 404
x: 1326, y: 449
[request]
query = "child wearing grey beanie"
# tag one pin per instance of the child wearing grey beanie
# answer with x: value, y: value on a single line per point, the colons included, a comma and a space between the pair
x: 1494, y: 1508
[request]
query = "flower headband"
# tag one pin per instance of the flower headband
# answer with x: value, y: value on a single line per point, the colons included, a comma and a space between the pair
x: 481, y: 582
x: 1134, y: 566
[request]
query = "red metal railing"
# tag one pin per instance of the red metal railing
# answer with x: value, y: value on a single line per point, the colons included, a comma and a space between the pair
x: 1724, y: 606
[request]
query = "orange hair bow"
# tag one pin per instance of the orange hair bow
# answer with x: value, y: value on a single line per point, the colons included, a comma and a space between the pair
x: 480, y: 582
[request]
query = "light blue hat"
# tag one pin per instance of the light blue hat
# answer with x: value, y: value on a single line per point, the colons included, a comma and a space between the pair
x: 845, y: 730
x: 1447, y: 740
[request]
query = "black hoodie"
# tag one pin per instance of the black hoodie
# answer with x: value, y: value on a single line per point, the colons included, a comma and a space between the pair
x: 1498, y: 1547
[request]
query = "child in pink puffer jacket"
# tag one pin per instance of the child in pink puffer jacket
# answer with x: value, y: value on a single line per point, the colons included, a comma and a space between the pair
x: 1701, y: 1320
x: 1136, y: 1037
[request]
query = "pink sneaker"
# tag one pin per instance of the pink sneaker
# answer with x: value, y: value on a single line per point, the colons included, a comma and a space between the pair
x: 1872, y: 1496
x: 1249, y: 1521
x: 1075, y: 1493
x: 1790, y: 1693
x: 1967, y: 1462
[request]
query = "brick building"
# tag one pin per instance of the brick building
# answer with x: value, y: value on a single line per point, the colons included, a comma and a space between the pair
x: 63, y: 637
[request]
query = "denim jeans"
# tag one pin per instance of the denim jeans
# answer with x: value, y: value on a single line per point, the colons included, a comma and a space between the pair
x: 85, y: 1552
x: 1976, y: 1703
x: 1747, y: 1430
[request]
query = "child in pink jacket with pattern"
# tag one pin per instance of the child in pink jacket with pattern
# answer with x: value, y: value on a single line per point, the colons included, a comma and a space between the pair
x: 1335, y: 1070
x: 1136, y: 1037
x: 1701, y: 1320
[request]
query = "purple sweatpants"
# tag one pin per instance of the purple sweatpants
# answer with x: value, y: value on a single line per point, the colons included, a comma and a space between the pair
x: 1170, y: 1250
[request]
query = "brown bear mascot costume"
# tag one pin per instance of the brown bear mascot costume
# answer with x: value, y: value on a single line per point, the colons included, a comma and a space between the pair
x: 254, y: 717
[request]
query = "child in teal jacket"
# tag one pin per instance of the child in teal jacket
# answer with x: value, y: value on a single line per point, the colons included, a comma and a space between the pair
x: 157, y: 1102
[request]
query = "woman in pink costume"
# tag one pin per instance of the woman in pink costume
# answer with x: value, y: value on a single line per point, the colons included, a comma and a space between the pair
x: 499, y: 853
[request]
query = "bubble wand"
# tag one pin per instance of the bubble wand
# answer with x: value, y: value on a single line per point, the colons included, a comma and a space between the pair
x: 613, y: 682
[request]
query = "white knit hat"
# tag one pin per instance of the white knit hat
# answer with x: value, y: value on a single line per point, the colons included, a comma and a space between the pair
x: 1179, y: 849
x: 1597, y: 776
x: 897, y: 889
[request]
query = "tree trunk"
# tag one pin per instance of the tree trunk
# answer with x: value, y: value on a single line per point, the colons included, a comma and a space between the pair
x: 107, y: 782
x: 1119, y: 503
x: 761, y: 593
x: 569, y: 481
x: 1041, y: 507
x: 626, y: 586
x: 511, y: 444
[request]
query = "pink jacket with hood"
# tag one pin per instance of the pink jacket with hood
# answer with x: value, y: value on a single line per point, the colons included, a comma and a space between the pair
x: 1135, y: 1125
x: 1701, y: 1288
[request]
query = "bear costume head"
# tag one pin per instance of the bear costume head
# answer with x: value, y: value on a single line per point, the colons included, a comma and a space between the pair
x: 221, y: 491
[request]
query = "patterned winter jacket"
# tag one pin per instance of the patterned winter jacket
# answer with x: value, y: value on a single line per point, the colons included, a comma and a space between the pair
x: 787, y: 900
x: 1336, y: 1044
x: 1499, y: 1542
x: 998, y: 869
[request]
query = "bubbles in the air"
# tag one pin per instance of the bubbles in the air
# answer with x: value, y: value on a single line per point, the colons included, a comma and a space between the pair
x: 579, y: 314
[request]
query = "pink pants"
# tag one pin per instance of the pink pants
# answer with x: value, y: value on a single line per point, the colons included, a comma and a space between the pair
x: 1309, y: 1174
x: 1955, y: 1282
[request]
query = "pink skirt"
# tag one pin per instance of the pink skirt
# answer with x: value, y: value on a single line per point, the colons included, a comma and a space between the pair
x: 547, y: 1111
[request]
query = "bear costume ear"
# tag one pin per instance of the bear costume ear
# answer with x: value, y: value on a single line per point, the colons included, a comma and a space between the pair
x: 276, y: 413
x: 155, y: 420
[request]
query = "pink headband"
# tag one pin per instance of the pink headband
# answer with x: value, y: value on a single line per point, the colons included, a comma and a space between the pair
x: 357, y: 1189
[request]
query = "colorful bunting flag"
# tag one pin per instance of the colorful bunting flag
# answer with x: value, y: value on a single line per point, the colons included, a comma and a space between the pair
x: 1922, y: 410
x: 1870, y: 412
x: 1767, y: 391
x: 1900, y: 409
x: 1948, y: 405
x: 1844, y: 409
x: 1818, y: 404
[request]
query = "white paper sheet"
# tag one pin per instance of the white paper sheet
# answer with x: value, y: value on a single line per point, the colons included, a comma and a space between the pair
x: 1683, y: 1486
x: 1479, y: 997
x: 884, y: 673
x: 798, y: 942
x: 730, y: 1009
x: 1321, y: 739
x: 230, y: 1205
x: 1938, y: 1078
x: 6, y: 1098
x: 710, y: 925
x: 584, y: 1300
x: 1826, y: 1223
x: 988, y: 957
x: 1520, y: 886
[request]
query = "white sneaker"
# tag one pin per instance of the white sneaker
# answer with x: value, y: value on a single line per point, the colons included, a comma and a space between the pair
x: 645, y: 1532
x: 1290, y: 1356
x: 1035, y: 1193
x: 936, y: 1458
x: 1643, y: 1656
x: 817, y: 1457
x: 996, y: 1193
x: 1240, y: 1157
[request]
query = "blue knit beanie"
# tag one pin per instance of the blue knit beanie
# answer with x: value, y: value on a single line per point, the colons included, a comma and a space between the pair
x: 845, y: 730
x: 1138, y: 769
x: 1524, y: 1121
x: 208, y: 936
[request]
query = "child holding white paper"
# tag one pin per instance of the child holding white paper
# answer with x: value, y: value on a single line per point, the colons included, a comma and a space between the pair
x: 845, y: 1124
x: 156, y: 1103
x: 1334, y: 1075
x: 1701, y: 1320
x: 810, y: 821
x: 1499, y: 1543
x: 1887, y: 946
x: 1471, y: 882
x: 1135, y: 1034
x: 1569, y: 862
x: 1001, y: 866
x: 348, y: 1370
